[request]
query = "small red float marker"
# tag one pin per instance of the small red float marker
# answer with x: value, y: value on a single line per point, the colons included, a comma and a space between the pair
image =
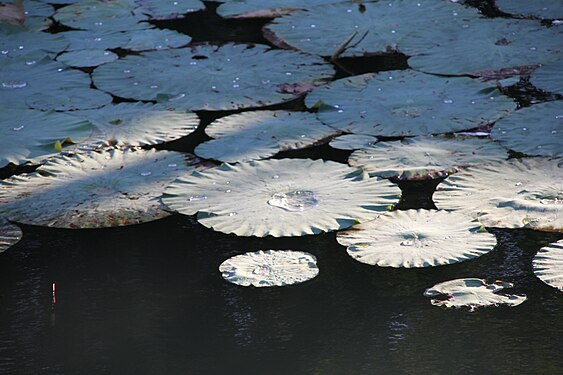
x: 54, y: 293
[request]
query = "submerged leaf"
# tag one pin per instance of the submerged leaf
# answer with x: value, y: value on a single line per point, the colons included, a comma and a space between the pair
x: 548, y: 264
x: 10, y: 234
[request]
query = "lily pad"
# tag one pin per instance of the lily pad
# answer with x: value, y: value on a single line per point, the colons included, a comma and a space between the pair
x: 95, y: 39
x: 523, y: 193
x: 28, y: 135
x: 139, y: 124
x: 547, y: 9
x: 69, y: 100
x: 472, y: 293
x: 270, y: 268
x: 16, y: 41
x: 548, y: 264
x: 87, y: 58
x: 211, y: 76
x: 405, y: 103
x: 535, y: 130
x: 267, y: 9
x: 93, y: 190
x: 286, y: 197
x: 168, y: 9
x: 155, y: 39
x: 416, y: 238
x: 261, y: 134
x: 422, y: 158
x: 548, y: 77
x: 37, y: 15
x: 10, y: 234
x: 353, y: 142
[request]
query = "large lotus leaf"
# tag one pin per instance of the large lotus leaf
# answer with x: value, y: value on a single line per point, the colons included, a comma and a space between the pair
x: 548, y: 77
x: 416, y: 238
x: 95, y: 39
x: 549, y: 9
x: 472, y: 293
x: 93, y: 190
x: 357, y: 29
x: 87, y: 58
x: 261, y: 8
x: 286, y: 197
x: 28, y: 135
x: 548, y: 264
x: 144, y: 40
x: 425, y: 157
x: 69, y: 100
x: 270, y: 268
x: 168, y: 9
x: 511, y: 194
x: 16, y: 41
x: 261, y: 134
x: 404, y: 103
x: 139, y: 124
x: 488, y: 45
x: 22, y: 78
x: 535, y: 130
x: 353, y: 142
x: 10, y: 235
x: 211, y: 77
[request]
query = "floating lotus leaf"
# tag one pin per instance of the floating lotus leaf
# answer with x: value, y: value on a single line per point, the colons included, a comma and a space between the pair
x: 550, y: 9
x: 548, y: 77
x: 87, y: 58
x: 211, y: 76
x: 548, y: 264
x: 10, y: 235
x: 401, y: 103
x: 472, y: 293
x: 16, y: 41
x: 535, y: 130
x: 139, y: 124
x: 369, y: 27
x: 270, y: 268
x: 28, y: 135
x: 416, y: 238
x: 261, y: 8
x: 261, y: 134
x: 95, y: 39
x: 68, y: 100
x: 488, y: 45
x: 352, y: 141
x: 286, y: 197
x: 144, y: 40
x: 60, y: 2
x: 168, y: 9
x: 425, y: 157
x: 511, y: 194
x: 37, y: 15
x: 93, y: 190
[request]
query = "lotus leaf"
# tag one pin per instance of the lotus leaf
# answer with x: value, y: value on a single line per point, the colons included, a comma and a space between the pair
x: 16, y: 41
x: 95, y: 39
x: 358, y: 29
x: 139, y: 124
x: 261, y: 8
x: 488, y: 45
x: 28, y: 135
x: 144, y: 40
x: 93, y: 190
x: 211, y: 76
x: 353, y: 141
x: 535, y: 130
x: 416, y: 238
x: 60, y: 2
x: 472, y: 293
x: 69, y: 100
x: 523, y: 193
x: 548, y: 264
x: 425, y: 157
x: 270, y: 268
x: 87, y: 58
x: 548, y: 77
x: 10, y: 235
x: 168, y: 9
x: 550, y: 9
x: 286, y: 197
x: 261, y: 134
x: 37, y: 15
x: 403, y: 103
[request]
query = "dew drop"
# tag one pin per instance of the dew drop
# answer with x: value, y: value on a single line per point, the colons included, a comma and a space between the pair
x: 275, y: 177
x: 175, y: 3
x: 518, y: 184
x: 4, y: 52
x: 177, y: 97
x: 492, y: 97
x: 294, y: 201
x: 20, y: 47
x: 97, y: 39
x: 473, y: 102
x: 393, y: 31
x: 503, y: 132
x: 553, y: 131
x: 19, y: 128
x: 60, y: 70
x: 232, y: 213
x: 32, y: 62
x: 135, y: 83
x: 288, y: 73
x: 146, y: 174
x: 348, y: 10
x: 390, y: 77
x: 172, y: 165
x: 14, y: 84
x: 236, y: 86
x: 313, y: 26
x: 228, y: 191
x: 197, y: 198
x: 448, y: 101
x: 126, y: 71
x: 559, y: 116
x: 98, y: 23
x: 106, y: 53
x: 524, y: 129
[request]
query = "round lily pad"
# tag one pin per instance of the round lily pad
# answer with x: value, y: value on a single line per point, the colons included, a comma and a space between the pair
x: 28, y: 135
x: 68, y: 100
x: 155, y: 39
x: 416, y: 238
x: 523, y: 193
x: 472, y: 293
x: 93, y: 190
x: 211, y: 76
x: 286, y: 197
x: 535, y: 130
x: 139, y: 124
x: 168, y: 9
x: 261, y: 134
x: 95, y: 39
x: 404, y: 103
x: 270, y: 268
x: 10, y: 234
x: 261, y: 8
x: 548, y: 264
x: 37, y: 15
x: 548, y: 77
x: 353, y: 141
x: 87, y: 58
x: 16, y: 41
x: 548, y: 9
x: 422, y: 158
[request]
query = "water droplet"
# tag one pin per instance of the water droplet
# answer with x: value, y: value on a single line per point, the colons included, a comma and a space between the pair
x: 14, y: 84
x: 126, y: 71
x: 524, y: 129
x: 228, y: 191
x: 518, y: 184
x: 409, y: 242
x: 473, y: 102
x: 275, y: 177
x: 533, y: 48
x: 236, y: 86
x: 213, y: 87
x: 553, y: 131
x: 492, y: 97
x: 177, y: 97
x: 60, y: 70
x: 98, y: 23
x: 348, y: 10
x: 379, y: 89
x: 294, y: 201
x: 302, y: 136
x: 197, y: 198
x: 154, y: 86
x: 232, y: 213
x: 97, y: 39
x: 265, y: 81
x: 288, y: 73
x: 393, y: 31
x: 106, y: 53
x: 172, y: 165
x: 313, y: 26
x: 4, y: 52
x: 417, y: 4
x: 390, y: 77
x: 559, y: 116
x: 503, y: 132
x: 20, y: 47
x: 539, y: 146
x: 135, y: 83
x: 193, y: 62
x: 454, y: 13
x: 32, y: 62
x: 448, y: 101
x: 19, y: 128
x: 175, y: 3
x: 146, y: 174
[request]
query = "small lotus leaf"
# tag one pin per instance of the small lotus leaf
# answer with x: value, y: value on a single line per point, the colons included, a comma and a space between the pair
x: 353, y: 142
x: 535, y: 130
x: 261, y: 8
x: 261, y: 134
x: 416, y: 238
x: 425, y: 157
x: 286, y: 197
x: 87, y: 58
x: 510, y: 194
x: 37, y: 15
x: 548, y: 264
x: 404, y: 103
x: 93, y: 190
x: 28, y: 135
x: 548, y: 77
x: 68, y: 100
x: 472, y: 293
x: 95, y: 39
x: 549, y: 9
x: 168, y: 9
x: 211, y: 76
x: 16, y: 41
x: 151, y: 39
x: 10, y: 235
x: 270, y: 268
